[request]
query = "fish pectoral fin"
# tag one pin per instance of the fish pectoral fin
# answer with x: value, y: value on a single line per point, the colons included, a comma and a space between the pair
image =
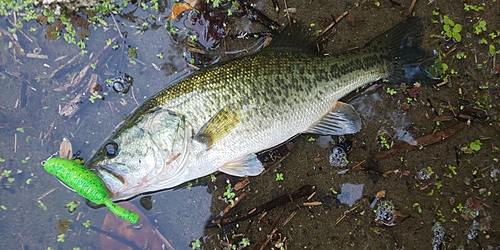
x: 341, y: 119
x: 247, y: 165
x: 219, y: 125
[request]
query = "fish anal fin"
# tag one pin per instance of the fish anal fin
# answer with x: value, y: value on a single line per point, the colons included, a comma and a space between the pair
x: 247, y: 165
x: 341, y: 119
x: 219, y: 125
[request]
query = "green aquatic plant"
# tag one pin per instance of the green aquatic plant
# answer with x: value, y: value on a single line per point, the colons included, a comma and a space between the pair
x: 42, y: 206
x: 279, y: 177
x: 452, y: 30
x: 479, y: 26
x: 196, y: 244
x: 229, y: 194
x: 469, y: 7
x: 475, y: 145
x: 390, y: 91
x: 86, y: 224
x: 60, y: 238
x: 439, y: 69
x: 72, y: 205
x: 492, y: 51
x: 384, y: 142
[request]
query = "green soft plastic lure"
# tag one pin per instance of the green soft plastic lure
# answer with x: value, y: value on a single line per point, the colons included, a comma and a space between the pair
x: 87, y: 184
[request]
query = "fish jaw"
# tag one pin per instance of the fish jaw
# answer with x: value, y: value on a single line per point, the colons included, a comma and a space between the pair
x: 151, y: 151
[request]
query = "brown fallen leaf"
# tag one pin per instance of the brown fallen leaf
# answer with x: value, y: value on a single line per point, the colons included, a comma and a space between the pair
x: 145, y: 237
x: 380, y: 194
x: 178, y: 8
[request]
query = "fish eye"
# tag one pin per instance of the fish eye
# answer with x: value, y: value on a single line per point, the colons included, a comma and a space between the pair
x: 110, y: 150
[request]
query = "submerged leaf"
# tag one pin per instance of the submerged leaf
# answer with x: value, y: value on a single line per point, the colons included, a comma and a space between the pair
x: 178, y: 8
x: 63, y: 225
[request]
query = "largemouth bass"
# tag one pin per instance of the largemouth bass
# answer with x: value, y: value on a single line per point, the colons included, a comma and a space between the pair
x: 218, y: 118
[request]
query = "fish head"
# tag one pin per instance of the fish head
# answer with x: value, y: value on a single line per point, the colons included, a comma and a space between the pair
x: 142, y: 155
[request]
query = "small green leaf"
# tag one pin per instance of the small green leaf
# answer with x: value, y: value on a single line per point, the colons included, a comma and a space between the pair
x: 475, y: 145
x: 492, y: 50
x: 42, y: 206
x: 60, y: 238
x: 72, y: 205
x: 279, y: 177
x: 20, y: 130
x: 6, y: 173
x: 86, y: 224
x: 390, y: 91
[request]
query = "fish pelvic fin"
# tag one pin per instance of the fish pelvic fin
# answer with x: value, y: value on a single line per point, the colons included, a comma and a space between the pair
x: 219, y: 125
x: 401, y: 46
x: 247, y: 165
x: 341, y: 119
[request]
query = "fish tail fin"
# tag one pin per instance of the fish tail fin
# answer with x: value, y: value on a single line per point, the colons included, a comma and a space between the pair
x: 401, y: 46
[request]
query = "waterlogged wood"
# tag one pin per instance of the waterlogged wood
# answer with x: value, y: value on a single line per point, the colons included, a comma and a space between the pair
x: 279, y: 201
x: 37, y: 56
x: 421, y: 142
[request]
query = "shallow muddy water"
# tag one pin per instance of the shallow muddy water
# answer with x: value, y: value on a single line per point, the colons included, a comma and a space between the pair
x: 453, y: 181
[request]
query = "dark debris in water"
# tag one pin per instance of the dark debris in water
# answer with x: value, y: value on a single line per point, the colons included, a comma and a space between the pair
x: 437, y: 240
x: 386, y: 213
x: 277, y: 202
x: 120, y: 84
x: 338, y: 153
x: 275, y: 155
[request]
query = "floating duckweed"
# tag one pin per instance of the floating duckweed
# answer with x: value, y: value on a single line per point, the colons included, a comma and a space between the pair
x: 385, y: 213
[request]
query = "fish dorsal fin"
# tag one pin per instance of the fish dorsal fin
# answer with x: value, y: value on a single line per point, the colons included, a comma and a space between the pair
x: 295, y: 38
x: 247, y: 165
x: 219, y: 125
x: 341, y: 119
